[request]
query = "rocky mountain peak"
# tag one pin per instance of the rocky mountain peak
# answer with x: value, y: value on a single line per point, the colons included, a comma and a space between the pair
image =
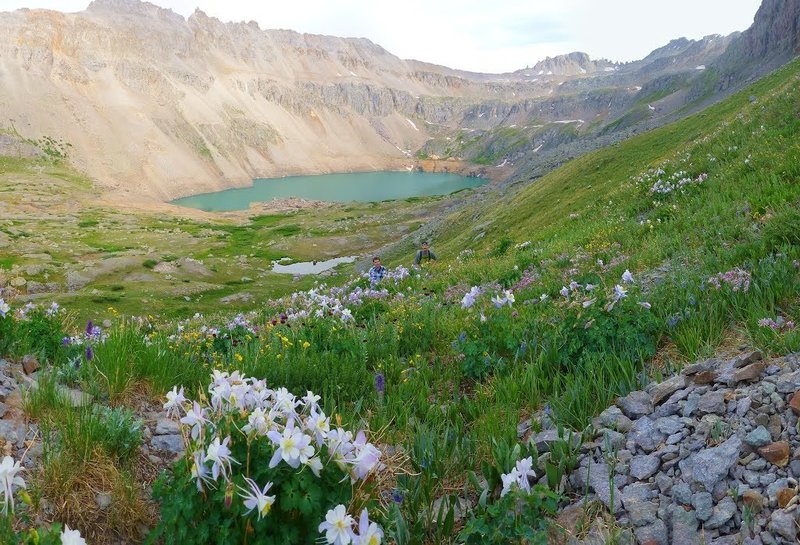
x: 130, y: 7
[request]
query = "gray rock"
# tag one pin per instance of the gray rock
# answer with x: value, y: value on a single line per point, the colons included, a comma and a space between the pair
x: 544, y: 439
x: 103, y: 500
x: 776, y: 486
x: 699, y: 367
x: 636, y: 404
x: 669, y: 426
x: 652, y: 534
x: 691, y: 404
x: 783, y: 524
x: 636, y: 500
x: 767, y: 539
x: 684, y: 527
x: 788, y: 383
x: 664, y: 483
x: 645, y: 434
x: 743, y: 405
x: 682, y: 494
x: 747, y: 358
x: 703, y: 504
x: 759, y: 464
x: 169, y: 443
x: 167, y: 426
x: 665, y: 389
x: 794, y: 467
x: 711, y: 465
x: 775, y: 426
x: 723, y: 512
x: 611, y: 440
x: 644, y: 467
x: 597, y: 477
x: 758, y: 437
x: 712, y: 402
x: 614, y: 419
x: 12, y: 432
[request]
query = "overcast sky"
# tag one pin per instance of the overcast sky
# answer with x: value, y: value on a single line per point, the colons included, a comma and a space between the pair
x: 479, y: 35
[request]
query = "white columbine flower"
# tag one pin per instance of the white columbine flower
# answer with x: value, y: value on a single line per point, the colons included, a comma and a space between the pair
x: 257, y: 499
x: 220, y: 456
x: 338, y: 526
x: 4, y: 308
x: 9, y: 481
x: 175, y: 401
x: 294, y: 447
x: 509, y: 480
x: 71, y: 537
x: 369, y: 533
x: 564, y: 291
x: 256, y: 422
x: 196, y: 418
x: 627, y: 277
x: 619, y: 292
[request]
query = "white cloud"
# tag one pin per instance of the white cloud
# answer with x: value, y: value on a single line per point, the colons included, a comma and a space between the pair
x: 497, y: 36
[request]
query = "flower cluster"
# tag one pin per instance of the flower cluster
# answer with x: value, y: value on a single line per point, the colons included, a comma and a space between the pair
x: 738, y: 280
x: 469, y: 298
x: 297, y: 431
x: 4, y: 308
x: 779, y: 324
x: 504, y: 298
x: 519, y: 477
x: 91, y: 337
x: 659, y: 182
x: 338, y: 528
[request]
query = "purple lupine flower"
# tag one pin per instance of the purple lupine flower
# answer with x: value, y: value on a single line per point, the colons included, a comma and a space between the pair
x: 89, y: 328
x: 89, y: 353
x: 380, y: 383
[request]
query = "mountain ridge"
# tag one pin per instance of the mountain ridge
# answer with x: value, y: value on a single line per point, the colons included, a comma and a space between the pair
x: 229, y: 102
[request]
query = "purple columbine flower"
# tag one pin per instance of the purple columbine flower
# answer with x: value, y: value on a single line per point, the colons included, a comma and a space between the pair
x: 380, y: 383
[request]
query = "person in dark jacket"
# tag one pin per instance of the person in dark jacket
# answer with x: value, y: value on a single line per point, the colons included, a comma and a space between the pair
x: 424, y: 254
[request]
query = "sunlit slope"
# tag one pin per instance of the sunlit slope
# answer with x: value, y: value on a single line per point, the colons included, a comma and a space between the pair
x: 595, y: 196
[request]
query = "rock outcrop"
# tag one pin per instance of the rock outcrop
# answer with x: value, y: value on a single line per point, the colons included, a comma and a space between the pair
x: 709, y: 456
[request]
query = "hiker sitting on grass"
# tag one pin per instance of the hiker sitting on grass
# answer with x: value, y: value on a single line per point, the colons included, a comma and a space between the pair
x: 377, y: 272
x: 424, y: 254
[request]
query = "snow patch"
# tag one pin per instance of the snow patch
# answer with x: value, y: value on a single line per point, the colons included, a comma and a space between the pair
x: 412, y: 124
x: 701, y: 67
x: 609, y: 69
x: 353, y: 73
x: 505, y: 161
x: 537, y: 148
x: 651, y: 107
x: 570, y: 121
x: 583, y: 71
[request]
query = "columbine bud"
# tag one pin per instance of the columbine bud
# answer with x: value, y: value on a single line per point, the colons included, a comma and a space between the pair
x: 229, y: 496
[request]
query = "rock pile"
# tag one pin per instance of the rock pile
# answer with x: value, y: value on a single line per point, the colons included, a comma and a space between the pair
x: 710, y: 456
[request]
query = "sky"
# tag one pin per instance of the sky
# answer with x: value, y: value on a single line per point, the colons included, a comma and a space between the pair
x: 479, y: 35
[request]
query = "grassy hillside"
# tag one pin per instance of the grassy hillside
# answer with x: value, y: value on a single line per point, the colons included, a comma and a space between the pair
x: 546, y: 304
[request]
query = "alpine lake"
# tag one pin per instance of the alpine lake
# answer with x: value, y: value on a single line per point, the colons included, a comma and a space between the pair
x: 354, y: 187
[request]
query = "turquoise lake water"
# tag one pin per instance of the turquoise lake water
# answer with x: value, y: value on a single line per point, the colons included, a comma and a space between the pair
x: 361, y: 187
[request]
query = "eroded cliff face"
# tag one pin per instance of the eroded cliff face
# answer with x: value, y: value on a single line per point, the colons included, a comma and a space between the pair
x: 155, y: 106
